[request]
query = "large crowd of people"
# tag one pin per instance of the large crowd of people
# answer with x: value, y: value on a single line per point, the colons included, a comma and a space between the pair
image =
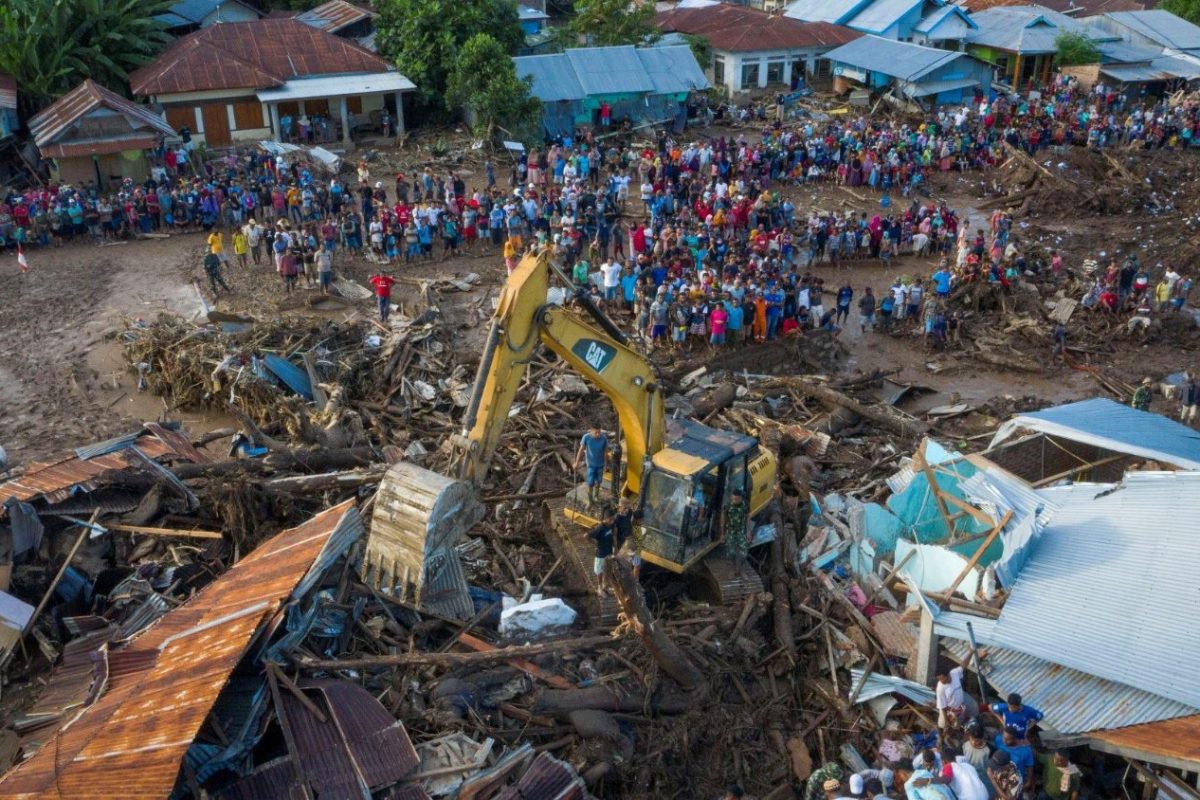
x: 700, y: 241
x: 988, y: 752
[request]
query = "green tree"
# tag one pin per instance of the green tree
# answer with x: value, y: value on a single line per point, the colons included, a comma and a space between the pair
x: 613, y: 22
x: 484, y: 84
x: 1073, y: 49
x: 701, y: 49
x: 423, y: 37
x: 1188, y: 9
x: 52, y: 45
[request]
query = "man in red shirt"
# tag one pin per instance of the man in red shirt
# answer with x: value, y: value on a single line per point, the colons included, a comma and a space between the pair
x: 383, y: 292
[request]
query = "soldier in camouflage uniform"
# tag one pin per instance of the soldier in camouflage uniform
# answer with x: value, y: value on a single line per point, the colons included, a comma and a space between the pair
x: 736, y: 529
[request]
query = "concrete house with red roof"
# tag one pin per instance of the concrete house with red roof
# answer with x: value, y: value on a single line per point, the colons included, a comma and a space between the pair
x: 247, y: 81
x: 752, y: 49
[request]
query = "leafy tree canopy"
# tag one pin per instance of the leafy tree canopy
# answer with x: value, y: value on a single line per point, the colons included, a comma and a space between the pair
x: 484, y: 82
x: 1074, y: 48
x: 50, y: 46
x: 423, y: 37
x: 613, y: 22
x: 1188, y: 9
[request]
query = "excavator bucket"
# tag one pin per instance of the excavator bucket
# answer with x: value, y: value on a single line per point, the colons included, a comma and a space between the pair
x: 419, y: 516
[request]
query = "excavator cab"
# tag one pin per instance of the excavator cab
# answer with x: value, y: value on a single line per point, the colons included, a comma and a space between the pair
x: 689, y: 485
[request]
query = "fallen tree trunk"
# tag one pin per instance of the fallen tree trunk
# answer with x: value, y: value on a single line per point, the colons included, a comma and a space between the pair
x: 312, y: 461
x: 668, y: 655
x: 561, y: 702
x: 885, y: 419
x: 307, y: 484
x: 782, y: 609
x: 1008, y: 362
x: 456, y: 659
x: 716, y: 399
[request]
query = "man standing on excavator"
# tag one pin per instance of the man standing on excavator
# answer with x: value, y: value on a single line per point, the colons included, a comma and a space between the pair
x: 593, y: 449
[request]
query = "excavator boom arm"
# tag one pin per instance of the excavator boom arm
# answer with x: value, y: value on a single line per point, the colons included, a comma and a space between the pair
x: 523, y: 319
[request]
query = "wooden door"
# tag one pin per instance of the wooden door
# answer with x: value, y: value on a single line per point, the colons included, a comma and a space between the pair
x: 216, y: 125
x: 180, y: 117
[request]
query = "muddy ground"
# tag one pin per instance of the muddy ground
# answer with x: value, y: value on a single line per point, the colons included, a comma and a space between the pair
x: 64, y: 383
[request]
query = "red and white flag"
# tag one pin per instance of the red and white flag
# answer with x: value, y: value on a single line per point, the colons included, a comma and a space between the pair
x: 21, y: 262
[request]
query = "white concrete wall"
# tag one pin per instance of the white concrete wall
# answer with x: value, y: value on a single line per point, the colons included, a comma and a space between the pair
x: 734, y: 63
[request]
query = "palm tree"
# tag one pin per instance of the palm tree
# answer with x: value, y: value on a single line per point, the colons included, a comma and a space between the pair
x: 52, y: 45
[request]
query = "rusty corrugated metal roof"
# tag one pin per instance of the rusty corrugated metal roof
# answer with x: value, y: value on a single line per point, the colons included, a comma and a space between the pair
x: 57, y: 480
x: 547, y: 779
x: 257, y: 54
x: 63, y: 114
x: 335, y: 15
x: 1175, y: 739
x: 132, y: 742
x: 735, y: 29
x: 359, y: 743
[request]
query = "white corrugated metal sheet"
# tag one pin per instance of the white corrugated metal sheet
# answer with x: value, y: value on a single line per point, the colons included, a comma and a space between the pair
x: 336, y: 86
x: 1073, y: 701
x: 997, y: 492
x: 877, y: 685
x: 1112, y: 587
x: 1108, y: 424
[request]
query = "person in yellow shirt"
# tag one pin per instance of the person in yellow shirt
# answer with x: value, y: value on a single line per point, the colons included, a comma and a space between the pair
x: 293, y: 204
x: 240, y: 247
x: 1162, y: 295
x: 510, y: 254
x: 216, y: 245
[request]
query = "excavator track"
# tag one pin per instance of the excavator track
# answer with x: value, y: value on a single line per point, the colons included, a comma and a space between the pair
x: 570, y: 542
x: 718, y: 580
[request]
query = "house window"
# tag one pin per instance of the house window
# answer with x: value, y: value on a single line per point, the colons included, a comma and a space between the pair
x: 774, y: 72
x: 750, y: 75
x: 718, y: 70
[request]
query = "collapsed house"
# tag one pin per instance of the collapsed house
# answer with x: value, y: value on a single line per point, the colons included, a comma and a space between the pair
x: 1024, y: 563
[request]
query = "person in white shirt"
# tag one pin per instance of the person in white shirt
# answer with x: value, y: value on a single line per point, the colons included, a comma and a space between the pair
x: 962, y: 777
x: 949, y: 693
x: 610, y: 273
x: 900, y: 296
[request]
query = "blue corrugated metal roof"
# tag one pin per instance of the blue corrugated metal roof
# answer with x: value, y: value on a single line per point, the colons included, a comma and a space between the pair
x: 172, y: 20
x: 1027, y: 29
x: 609, y: 70
x: 881, y: 15
x: 553, y: 77
x: 1072, y: 701
x: 1163, y: 68
x: 1113, y: 583
x: 672, y: 69
x: 931, y: 21
x: 836, y: 11
x: 889, y: 57
x: 1108, y: 424
x: 1160, y: 26
x: 578, y: 73
x: 194, y: 10
x: 1121, y: 52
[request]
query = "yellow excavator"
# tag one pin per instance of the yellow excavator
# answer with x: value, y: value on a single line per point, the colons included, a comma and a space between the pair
x: 678, y: 474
